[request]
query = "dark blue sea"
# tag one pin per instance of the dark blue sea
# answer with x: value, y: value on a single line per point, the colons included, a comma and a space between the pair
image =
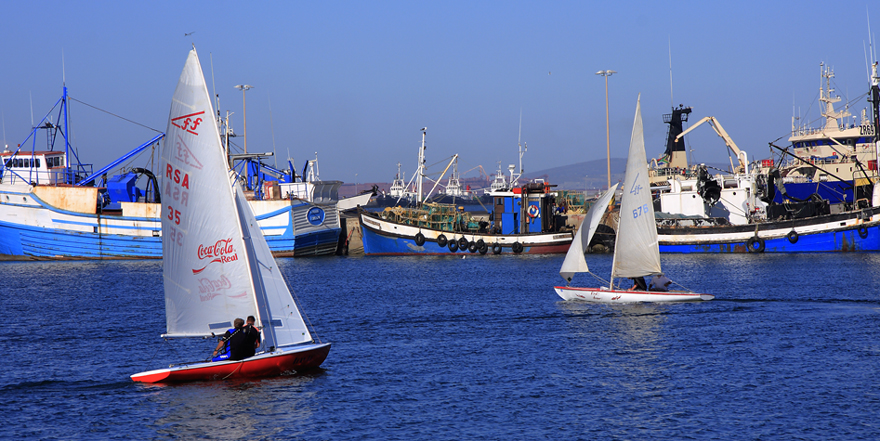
x: 449, y: 349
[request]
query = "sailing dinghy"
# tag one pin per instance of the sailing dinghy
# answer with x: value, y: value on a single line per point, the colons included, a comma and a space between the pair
x: 216, y: 264
x: 636, y: 251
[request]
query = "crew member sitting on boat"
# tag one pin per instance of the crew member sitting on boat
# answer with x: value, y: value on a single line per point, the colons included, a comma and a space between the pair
x: 234, y: 344
x: 660, y: 283
x: 253, y: 336
x: 639, y: 284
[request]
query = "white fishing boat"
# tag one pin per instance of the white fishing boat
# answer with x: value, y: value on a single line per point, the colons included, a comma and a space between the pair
x: 636, y: 251
x: 216, y: 264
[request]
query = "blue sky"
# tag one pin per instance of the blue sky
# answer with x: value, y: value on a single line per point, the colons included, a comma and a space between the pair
x: 354, y: 81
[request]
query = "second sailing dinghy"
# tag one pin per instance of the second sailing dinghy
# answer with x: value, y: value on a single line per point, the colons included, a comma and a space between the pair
x: 216, y: 264
x: 636, y: 251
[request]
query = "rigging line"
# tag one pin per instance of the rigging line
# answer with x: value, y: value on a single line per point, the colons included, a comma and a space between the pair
x: 681, y: 286
x: 113, y: 114
x: 599, y: 278
x: 731, y: 205
x: 303, y: 314
x: 240, y: 364
x: 442, y: 161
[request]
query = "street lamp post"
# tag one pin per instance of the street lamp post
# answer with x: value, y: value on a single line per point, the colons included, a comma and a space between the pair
x: 606, y: 74
x: 244, y: 88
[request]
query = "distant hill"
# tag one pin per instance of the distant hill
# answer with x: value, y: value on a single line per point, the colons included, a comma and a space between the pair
x: 593, y: 173
x: 566, y: 177
x: 574, y: 176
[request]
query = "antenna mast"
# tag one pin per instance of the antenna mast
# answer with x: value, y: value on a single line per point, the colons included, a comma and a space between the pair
x: 522, y: 148
x: 671, y: 99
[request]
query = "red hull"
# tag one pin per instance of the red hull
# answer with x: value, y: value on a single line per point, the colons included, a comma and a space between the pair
x: 262, y: 365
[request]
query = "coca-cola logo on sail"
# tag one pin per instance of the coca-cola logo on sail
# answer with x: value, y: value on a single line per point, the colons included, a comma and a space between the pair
x: 207, y: 285
x: 221, y: 251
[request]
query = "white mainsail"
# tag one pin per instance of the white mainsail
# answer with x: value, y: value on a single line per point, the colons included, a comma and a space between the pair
x: 574, y: 260
x: 636, y: 252
x: 216, y: 263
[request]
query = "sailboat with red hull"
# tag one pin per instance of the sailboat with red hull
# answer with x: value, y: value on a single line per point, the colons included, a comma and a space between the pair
x: 216, y: 262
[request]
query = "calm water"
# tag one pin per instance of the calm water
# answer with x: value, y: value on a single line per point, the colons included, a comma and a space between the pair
x: 476, y: 348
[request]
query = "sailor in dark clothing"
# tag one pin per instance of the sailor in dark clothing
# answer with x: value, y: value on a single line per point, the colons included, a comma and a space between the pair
x: 252, y: 336
x: 233, y: 344
x: 639, y: 284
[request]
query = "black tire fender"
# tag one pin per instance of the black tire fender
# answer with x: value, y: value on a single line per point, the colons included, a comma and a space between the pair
x: 441, y: 240
x: 462, y: 243
x: 484, y: 249
x: 517, y: 247
x: 752, y: 242
x: 863, y: 231
x: 792, y: 236
x: 453, y: 246
x: 420, y: 239
x: 496, y: 249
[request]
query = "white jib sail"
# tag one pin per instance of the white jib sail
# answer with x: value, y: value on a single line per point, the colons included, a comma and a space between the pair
x: 286, y: 325
x: 207, y: 282
x: 574, y: 260
x: 636, y: 252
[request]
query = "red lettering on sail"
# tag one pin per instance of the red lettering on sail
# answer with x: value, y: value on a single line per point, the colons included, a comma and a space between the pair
x: 182, y: 154
x: 208, y: 286
x: 188, y: 122
x: 221, y: 251
x: 208, y: 296
x: 173, y: 178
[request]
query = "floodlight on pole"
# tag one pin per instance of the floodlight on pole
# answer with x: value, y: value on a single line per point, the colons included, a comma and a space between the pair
x: 606, y: 74
x: 244, y: 88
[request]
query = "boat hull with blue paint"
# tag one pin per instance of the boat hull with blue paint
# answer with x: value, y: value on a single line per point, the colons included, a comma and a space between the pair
x: 63, y: 222
x: 384, y: 238
x: 855, y: 231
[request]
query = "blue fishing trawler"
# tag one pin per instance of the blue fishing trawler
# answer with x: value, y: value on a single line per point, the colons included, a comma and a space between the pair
x: 52, y: 206
x: 803, y: 204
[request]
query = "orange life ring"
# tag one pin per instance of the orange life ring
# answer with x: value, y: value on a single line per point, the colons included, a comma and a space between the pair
x: 533, y: 211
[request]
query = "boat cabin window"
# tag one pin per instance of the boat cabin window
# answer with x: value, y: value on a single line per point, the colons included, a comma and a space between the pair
x: 25, y: 162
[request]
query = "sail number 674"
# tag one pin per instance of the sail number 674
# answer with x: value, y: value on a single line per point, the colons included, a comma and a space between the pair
x: 640, y: 210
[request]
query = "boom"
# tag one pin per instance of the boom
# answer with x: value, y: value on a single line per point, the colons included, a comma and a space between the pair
x: 740, y: 156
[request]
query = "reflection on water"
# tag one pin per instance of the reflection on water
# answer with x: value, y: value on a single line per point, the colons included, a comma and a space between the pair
x: 241, y: 409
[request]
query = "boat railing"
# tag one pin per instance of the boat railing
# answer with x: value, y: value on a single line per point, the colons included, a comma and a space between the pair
x: 434, y: 216
x: 38, y: 176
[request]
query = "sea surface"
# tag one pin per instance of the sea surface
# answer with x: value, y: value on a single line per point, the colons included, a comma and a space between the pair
x: 447, y: 348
